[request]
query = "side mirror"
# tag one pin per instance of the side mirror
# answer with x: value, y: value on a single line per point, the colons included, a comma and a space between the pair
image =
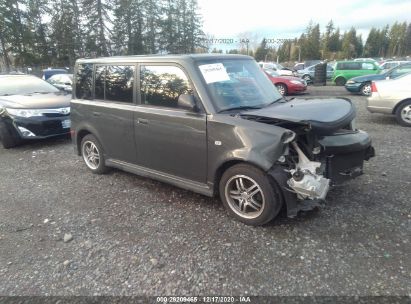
x: 187, y: 102
x: 388, y: 77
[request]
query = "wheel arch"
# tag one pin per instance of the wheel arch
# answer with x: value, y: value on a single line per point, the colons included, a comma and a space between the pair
x: 83, y: 131
x: 400, y: 104
x: 340, y: 77
x: 225, y: 166
x: 79, y: 137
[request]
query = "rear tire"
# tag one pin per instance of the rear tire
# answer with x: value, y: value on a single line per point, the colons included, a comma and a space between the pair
x: 403, y: 114
x: 340, y: 81
x: 9, y: 138
x: 282, y: 89
x: 250, y: 195
x: 93, y: 154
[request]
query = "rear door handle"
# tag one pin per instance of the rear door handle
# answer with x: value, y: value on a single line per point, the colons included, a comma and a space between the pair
x: 96, y: 114
x: 142, y: 121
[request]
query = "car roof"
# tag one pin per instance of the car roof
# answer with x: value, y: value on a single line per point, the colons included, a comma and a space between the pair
x: 55, y: 70
x: 162, y: 58
x: 353, y: 61
x: 62, y: 74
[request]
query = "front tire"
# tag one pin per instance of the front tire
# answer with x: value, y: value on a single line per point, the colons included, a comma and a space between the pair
x: 366, y: 89
x: 282, y: 89
x: 93, y: 154
x: 403, y: 114
x: 9, y: 138
x: 250, y: 195
x: 340, y: 81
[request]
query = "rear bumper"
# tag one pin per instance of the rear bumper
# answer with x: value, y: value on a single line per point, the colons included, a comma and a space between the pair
x: 345, y: 154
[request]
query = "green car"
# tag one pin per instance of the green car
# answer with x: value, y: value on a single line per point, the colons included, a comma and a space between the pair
x: 344, y: 70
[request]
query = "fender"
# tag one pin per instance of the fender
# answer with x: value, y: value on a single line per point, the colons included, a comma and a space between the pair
x: 233, y: 138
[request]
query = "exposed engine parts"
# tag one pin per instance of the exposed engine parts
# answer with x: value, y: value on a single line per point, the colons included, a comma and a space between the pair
x: 306, y: 179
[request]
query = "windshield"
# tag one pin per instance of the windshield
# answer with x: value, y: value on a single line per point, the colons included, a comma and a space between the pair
x: 24, y: 85
x: 399, y: 70
x: 237, y: 83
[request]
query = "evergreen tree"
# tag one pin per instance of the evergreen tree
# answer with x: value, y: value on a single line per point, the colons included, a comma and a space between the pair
x: 37, y: 9
x: 96, y: 26
x: 396, y: 36
x: 408, y: 40
x: 66, y: 34
x: 326, y: 39
x: 372, y: 44
x: 262, y: 51
x: 351, y: 44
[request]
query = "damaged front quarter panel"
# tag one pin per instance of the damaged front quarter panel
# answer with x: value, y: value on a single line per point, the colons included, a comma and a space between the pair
x: 231, y: 138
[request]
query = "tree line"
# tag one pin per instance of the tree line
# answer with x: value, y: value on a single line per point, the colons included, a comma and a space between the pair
x: 388, y: 41
x: 56, y: 32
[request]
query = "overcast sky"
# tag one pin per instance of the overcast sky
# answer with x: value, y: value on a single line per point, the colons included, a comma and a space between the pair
x: 288, y: 19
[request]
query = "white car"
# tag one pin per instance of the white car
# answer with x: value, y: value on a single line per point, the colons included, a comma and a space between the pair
x: 282, y: 71
x: 390, y: 64
x: 392, y: 96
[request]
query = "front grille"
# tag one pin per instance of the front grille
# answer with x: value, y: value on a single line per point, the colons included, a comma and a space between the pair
x: 55, y: 115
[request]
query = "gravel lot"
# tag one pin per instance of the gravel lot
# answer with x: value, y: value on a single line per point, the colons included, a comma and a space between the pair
x: 135, y: 236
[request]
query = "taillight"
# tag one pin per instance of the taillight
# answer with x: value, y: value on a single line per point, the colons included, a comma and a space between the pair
x: 373, y: 87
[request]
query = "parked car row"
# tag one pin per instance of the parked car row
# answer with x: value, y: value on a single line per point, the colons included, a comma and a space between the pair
x: 308, y: 73
x: 286, y: 84
x: 282, y: 71
x: 362, y: 84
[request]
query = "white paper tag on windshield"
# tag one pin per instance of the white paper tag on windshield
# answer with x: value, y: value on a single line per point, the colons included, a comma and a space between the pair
x: 214, y: 72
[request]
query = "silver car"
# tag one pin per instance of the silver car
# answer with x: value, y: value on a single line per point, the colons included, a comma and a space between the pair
x: 308, y: 73
x: 392, y: 96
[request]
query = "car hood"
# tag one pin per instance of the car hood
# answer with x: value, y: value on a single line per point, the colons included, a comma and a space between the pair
x: 323, y: 115
x: 36, y: 101
x: 369, y: 77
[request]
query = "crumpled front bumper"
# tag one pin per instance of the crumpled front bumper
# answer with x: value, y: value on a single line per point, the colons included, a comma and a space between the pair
x: 343, y: 155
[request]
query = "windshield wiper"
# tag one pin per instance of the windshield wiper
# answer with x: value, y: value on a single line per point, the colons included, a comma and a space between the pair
x: 277, y: 100
x: 240, y: 108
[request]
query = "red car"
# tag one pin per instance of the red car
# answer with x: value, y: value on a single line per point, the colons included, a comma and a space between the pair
x: 286, y: 84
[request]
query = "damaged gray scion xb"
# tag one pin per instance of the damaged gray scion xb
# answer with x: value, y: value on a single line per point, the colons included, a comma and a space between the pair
x: 216, y: 125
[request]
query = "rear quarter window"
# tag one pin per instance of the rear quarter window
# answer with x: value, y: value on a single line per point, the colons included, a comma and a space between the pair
x: 84, y: 81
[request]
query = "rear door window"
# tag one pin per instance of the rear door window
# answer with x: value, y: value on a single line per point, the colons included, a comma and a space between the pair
x: 114, y: 83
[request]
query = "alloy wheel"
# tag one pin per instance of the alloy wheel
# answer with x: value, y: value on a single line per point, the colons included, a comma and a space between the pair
x: 91, y: 155
x: 406, y: 114
x: 244, y: 196
x: 366, y: 89
x: 281, y: 89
